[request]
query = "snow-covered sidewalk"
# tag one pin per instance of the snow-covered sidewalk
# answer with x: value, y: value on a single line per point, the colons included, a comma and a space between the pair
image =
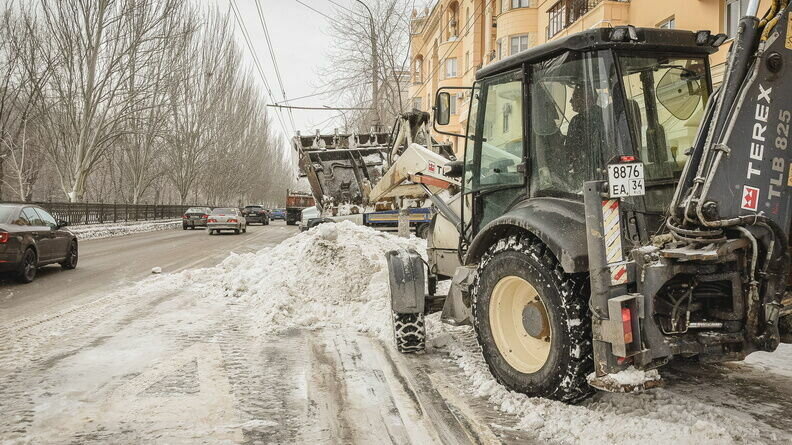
x: 293, y: 344
x: 107, y: 230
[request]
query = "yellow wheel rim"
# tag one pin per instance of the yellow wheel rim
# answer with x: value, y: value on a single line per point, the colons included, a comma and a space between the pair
x: 520, y: 326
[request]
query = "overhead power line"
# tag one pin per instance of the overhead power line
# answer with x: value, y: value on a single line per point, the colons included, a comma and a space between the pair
x: 324, y: 108
x: 257, y: 63
x: 272, y: 55
x: 315, y: 10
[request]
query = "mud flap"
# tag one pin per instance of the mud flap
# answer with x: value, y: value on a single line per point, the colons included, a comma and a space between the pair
x: 407, y: 281
x: 455, y: 310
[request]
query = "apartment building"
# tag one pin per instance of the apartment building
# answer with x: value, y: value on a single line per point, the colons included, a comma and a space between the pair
x: 454, y: 38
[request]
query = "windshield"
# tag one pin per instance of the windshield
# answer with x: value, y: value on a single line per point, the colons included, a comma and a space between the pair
x: 197, y: 210
x: 222, y: 211
x: 666, y: 97
x: 253, y: 207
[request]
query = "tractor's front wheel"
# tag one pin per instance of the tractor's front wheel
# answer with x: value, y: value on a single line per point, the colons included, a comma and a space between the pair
x: 532, y: 321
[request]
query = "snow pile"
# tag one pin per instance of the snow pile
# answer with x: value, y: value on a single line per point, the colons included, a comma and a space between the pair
x: 334, y: 275
x: 96, y: 231
x: 656, y: 416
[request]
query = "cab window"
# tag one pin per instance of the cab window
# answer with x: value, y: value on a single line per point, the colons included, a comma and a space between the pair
x: 573, y: 123
x: 498, y: 146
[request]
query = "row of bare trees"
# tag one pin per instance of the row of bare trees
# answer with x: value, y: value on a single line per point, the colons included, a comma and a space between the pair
x: 132, y: 101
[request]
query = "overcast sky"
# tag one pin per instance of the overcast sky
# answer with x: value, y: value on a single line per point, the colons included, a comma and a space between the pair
x: 300, y: 38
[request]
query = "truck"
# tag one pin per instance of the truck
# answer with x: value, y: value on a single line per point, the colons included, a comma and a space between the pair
x: 296, y: 202
x: 342, y: 168
x: 613, y: 211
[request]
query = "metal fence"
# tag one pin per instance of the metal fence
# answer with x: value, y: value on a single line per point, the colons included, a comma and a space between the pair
x: 77, y: 213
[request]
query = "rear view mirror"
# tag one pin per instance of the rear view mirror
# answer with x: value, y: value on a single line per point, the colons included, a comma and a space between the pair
x: 442, y: 113
x: 680, y: 92
x: 62, y: 223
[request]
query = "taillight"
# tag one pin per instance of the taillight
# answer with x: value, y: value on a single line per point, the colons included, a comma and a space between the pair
x: 185, y: 216
x: 3, y: 237
x: 204, y: 216
x: 212, y: 220
x: 627, y: 325
x: 232, y: 220
x: 627, y: 158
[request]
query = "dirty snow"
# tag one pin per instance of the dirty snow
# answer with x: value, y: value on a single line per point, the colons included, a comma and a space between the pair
x: 632, y: 377
x: 335, y: 276
x: 97, y: 231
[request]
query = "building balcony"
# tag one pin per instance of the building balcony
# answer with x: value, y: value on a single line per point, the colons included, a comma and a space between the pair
x: 565, y: 13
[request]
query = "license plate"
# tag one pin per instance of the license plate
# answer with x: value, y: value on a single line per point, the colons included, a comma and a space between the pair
x: 626, y: 180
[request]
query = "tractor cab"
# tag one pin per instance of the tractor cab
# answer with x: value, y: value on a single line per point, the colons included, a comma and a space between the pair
x: 546, y: 120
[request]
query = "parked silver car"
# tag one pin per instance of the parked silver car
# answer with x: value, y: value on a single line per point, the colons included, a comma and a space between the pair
x: 226, y: 219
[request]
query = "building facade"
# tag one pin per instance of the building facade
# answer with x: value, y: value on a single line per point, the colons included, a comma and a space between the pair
x: 454, y: 38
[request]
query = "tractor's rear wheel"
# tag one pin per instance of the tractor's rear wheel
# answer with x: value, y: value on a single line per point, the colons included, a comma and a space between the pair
x: 409, y: 331
x: 532, y: 321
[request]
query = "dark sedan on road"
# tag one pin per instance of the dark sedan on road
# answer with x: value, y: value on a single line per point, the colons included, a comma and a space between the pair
x: 30, y: 238
x: 256, y: 214
x: 195, y: 217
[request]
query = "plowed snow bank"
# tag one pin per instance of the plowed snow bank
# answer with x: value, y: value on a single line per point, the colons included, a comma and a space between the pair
x: 335, y: 276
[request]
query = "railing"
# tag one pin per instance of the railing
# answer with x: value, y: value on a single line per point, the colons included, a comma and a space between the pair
x: 566, y: 12
x: 78, y: 213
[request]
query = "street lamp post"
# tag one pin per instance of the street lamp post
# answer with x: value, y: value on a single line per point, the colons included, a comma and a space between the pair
x: 374, y: 68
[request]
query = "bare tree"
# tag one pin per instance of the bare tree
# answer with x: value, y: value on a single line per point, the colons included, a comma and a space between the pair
x: 22, y: 76
x: 92, y: 44
x: 351, y: 55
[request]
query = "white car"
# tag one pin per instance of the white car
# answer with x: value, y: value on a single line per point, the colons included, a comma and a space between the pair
x: 226, y: 219
x: 308, y: 214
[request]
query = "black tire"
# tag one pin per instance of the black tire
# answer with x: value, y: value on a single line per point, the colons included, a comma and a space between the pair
x: 28, y: 266
x: 72, y: 256
x: 422, y: 231
x: 563, y: 374
x: 184, y: 226
x: 409, y: 332
x: 236, y: 231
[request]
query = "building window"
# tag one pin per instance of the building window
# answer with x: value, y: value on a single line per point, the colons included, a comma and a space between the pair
x: 735, y: 10
x: 467, y: 61
x: 418, y: 75
x: 417, y: 103
x: 556, y: 19
x: 504, y: 6
x: 517, y: 44
x: 668, y: 24
x: 452, y: 104
x: 451, y: 68
x: 519, y: 4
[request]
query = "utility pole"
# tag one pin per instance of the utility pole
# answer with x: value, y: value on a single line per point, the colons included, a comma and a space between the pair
x: 374, y: 69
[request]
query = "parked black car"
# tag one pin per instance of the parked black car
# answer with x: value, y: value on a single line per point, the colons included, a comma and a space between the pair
x: 195, y: 217
x: 256, y: 214
x: 30, y: 238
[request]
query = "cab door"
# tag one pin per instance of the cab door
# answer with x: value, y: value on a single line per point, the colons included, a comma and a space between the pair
x: 495, y: 155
